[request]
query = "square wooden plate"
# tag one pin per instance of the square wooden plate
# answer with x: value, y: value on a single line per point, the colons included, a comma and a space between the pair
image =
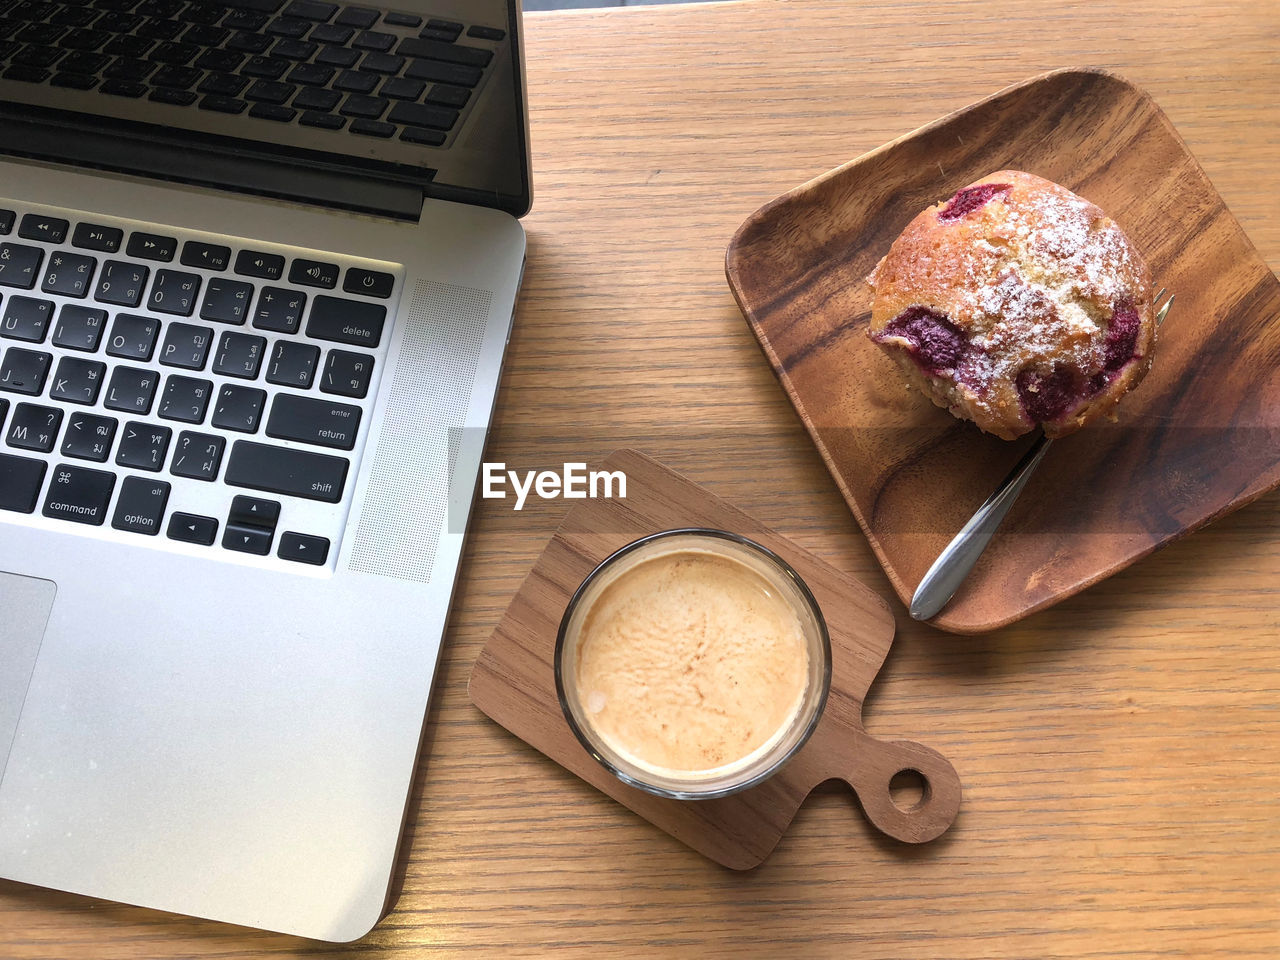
x: 1197, y: 439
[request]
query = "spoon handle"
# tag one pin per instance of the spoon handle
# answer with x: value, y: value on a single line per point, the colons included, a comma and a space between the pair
x: 954, y: 563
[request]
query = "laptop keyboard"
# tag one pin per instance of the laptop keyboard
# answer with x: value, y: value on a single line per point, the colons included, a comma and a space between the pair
x: 318, y: 64
x: 196, y: 389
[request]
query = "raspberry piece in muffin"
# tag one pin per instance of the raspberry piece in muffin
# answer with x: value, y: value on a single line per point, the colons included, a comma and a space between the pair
x: 1016, y: 303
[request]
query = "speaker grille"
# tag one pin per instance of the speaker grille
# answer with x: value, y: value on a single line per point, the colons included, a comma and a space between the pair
x: 407, y: 497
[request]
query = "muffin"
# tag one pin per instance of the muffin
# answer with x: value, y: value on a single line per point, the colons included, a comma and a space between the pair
x: 1016, y: 303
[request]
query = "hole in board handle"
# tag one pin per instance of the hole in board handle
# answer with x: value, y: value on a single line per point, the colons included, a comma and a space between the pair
x: 909, y: 790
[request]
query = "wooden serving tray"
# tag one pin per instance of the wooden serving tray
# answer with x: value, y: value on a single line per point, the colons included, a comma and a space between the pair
x: 513, y: 680
x: 1197, y: 439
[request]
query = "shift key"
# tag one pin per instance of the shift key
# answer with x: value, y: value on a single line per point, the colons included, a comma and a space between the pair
x: 322, y: 422
x: 346, y: 321
x: 293, y: 473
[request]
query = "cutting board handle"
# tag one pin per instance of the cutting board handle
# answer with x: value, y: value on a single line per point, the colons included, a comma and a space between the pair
x: 873, y: 765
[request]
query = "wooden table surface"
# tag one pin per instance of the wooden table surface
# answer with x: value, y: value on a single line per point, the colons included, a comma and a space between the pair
x: 1120, y: 753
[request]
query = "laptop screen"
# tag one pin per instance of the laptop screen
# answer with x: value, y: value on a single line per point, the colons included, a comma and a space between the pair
x: 428, y: 93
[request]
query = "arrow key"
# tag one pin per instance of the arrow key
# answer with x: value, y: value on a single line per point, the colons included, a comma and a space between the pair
x: 192, y: 528
x: 303, y: 548
x: 245, y: 539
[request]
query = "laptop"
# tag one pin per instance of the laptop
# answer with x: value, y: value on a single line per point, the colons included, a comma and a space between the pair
x: 258, y: 263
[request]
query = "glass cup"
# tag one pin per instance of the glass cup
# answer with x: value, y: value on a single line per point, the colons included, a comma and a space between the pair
x: 770, y: 583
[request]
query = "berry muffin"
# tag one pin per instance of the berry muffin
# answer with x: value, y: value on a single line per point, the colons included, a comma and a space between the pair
x: 1016, y: 303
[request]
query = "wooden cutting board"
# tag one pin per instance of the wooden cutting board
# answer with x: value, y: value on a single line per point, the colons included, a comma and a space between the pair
x: 1197, y: 439
x: 513, y: 680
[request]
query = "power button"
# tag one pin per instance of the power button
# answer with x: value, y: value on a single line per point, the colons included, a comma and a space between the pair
x: 368, y: 283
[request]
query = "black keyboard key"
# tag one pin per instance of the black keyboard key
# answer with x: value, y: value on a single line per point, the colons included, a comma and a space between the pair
x: 323, y: 100
x: 451, y: 27
x: 222, y: 85
x: 326, y: 121
x: 159, y: 28
x: 245, y: 20
x: 341, y: 57
x: 36, y: 56
x: 438, y: 72
x: 133, y: 337
x: 220, y: 104
x: 280, y: 310
x: 255, y: 43
x: 89, y: 437
x: 373, y: 128
x: 314, y: 273
x: 247, y: 539
x: 220, y: 61
x: 77, y: 380
x: 347, y: 374
x: 46, y: 229
x: 262, y: 6
x: 185, y: 399
x: 402, y: 19
x: 369, y: 283
x: 74, y: 81
x: 362, y: 18
x: 40, y: 33
x: 310, y: 10
x: 197, y: 456
x: 294, y: 473
x: 20, y: 482
x: 421, y: 115
x: 7, y: 218
x: 311, y: 74
x: 402, y: 88
x: 131, y: 89
x: 85, y: 41
x: 128, y: 47
x: 268, y: 91
x: 178, y: 78
x: 303, y: 548
x: 151, y: 246
x: 458, y: 53
x: 226, y: 301
x: 192, y: 528
x: 238, y: 408
x: 388, y: 63
x: 91, y: 236
x: 239, y: 355
x: 429, y: 33
x: 430, y: 138
x: 26, y: 318
x: 26, y: 74
x: 288, y: 27
x: 374, y: 40
x: 121, y: 283
x: 140, y: 506
x: 4, y: 409
x: 346, y: 321
x: 353, y: 81
x: 204, y: 35
x: 68, y: 274
x: 293, y: 364
x: 294, y: 49
x: 332, y: 33
x: 325, y: 423
x: 79, y: 328
x: 143, y: 446
x: 129, y: 69
x: 174, y: 53
x: 254, y: 512
x: 131, y: 390
x: 79, y: 494
x: 265, y: 68
x: 186, y: 346
x: 486, y: 33
x: 34, y: 427
x: 357, y: 105
x: 174, y: 292
x: 178, y: 98
x: 84, y: 63
x: 444, y: 95
x: 24, y: 371
x: 254, y: 263
x: 19, y: 265
x: 210, y: 256
x: 269, y: 111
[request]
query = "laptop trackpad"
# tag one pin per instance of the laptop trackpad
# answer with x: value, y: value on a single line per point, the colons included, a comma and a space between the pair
x: 25, y: 603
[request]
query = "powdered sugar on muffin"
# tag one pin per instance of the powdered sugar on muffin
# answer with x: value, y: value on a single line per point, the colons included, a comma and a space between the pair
x: 1016, y: 302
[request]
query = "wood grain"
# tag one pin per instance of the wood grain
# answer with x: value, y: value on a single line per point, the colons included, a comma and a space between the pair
x: 514, y: 679
x: 1200, y: 438
x: 1120, y: 753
